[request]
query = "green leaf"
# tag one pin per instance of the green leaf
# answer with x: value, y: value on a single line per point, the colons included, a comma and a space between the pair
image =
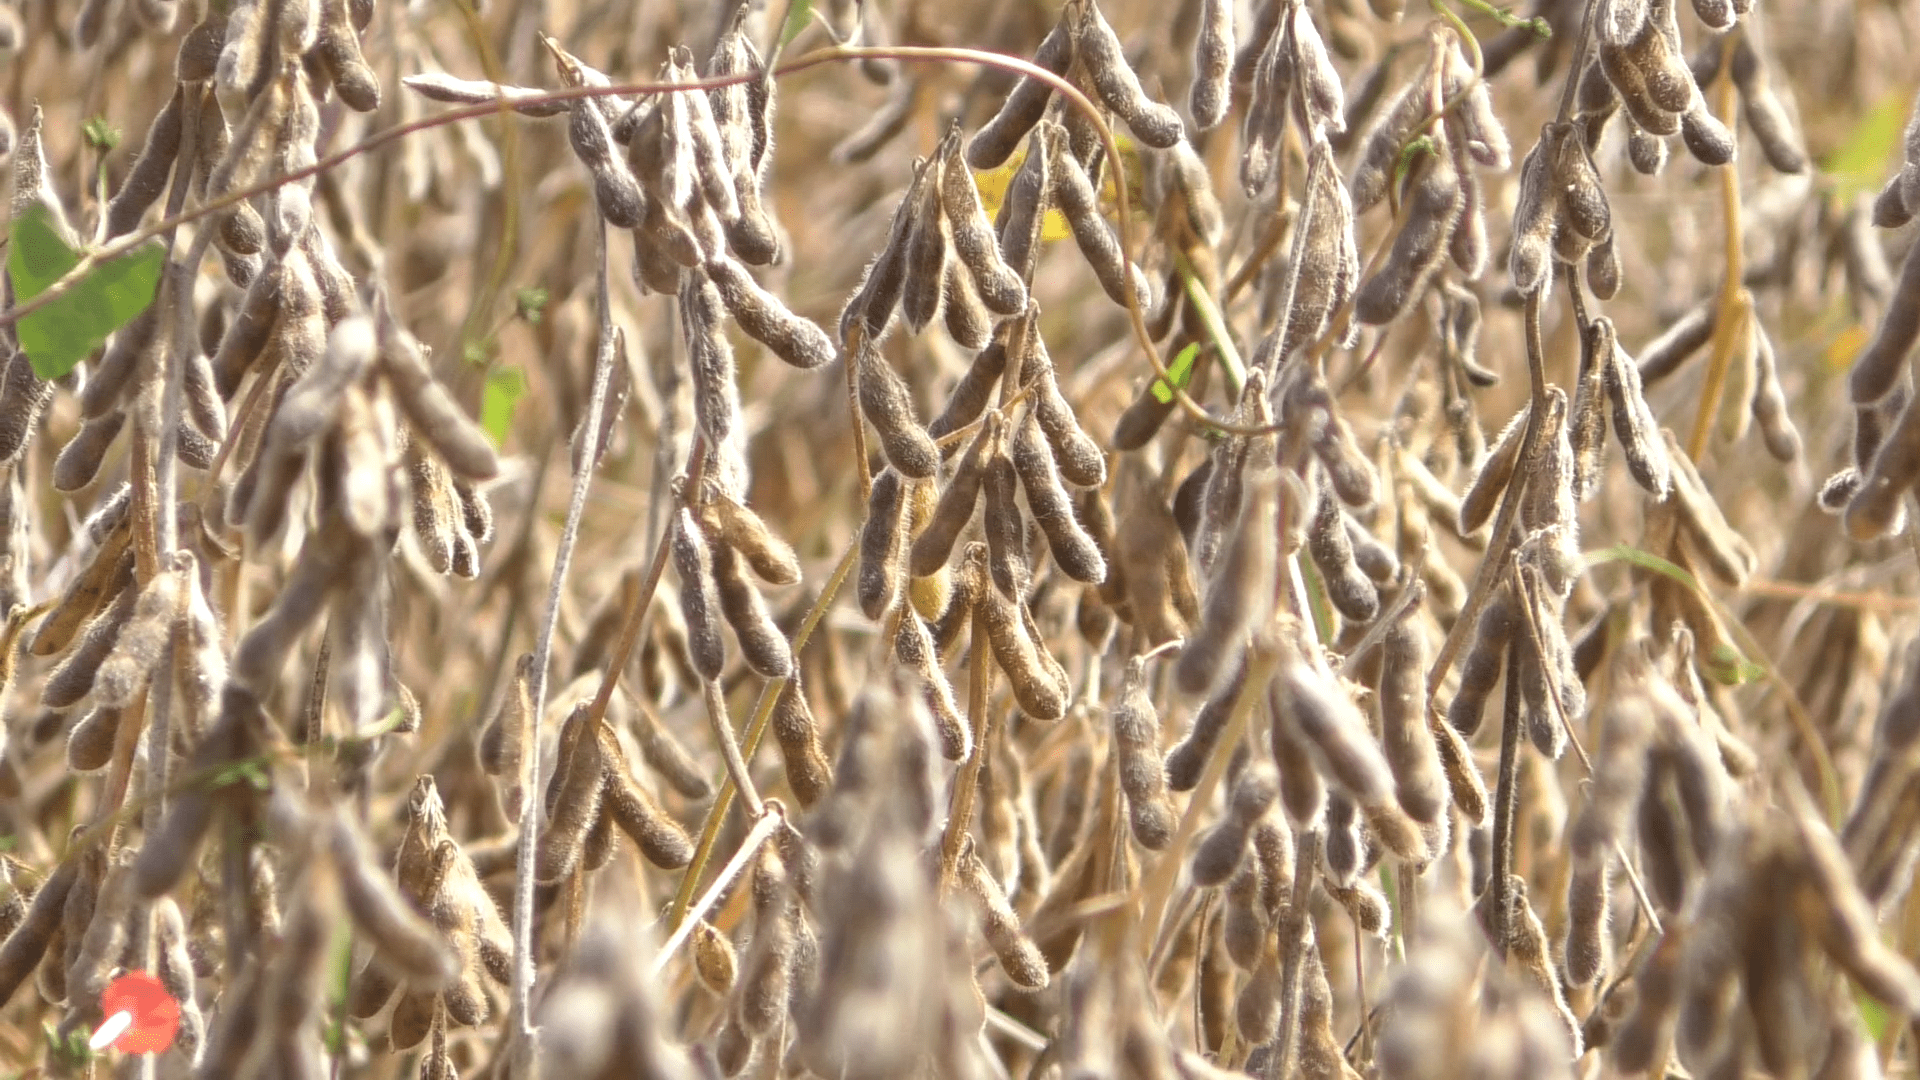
x: 1725, y: 665
x: 101, y: 134
x: 1873, y: 1015
x: 1181, y: 371
x: 798, y: 12
x: 505, y: 386
x: 61, y: 334
x: 530, y: 303
x: 1860, y: 163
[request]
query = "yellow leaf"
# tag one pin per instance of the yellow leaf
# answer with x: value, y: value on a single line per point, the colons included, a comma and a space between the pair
x: 1843, y: 348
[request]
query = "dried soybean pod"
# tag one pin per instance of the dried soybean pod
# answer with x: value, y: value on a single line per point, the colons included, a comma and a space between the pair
x: 1022, y: 216
x: 1188, y: 759
x: 75, y: 677
x: 1351, y: 591
x: 499, y: 748
x: 1763, y: 111
x: 1098, y: 50
x: 873, y: 302
x: 337, y: 47
x: 968, y: 321
x: 1493, y: 475
x: 1875, y: 509
x: 1348, y: 470
x: 971, y: 394
x: 1211, y: 94
x: 714, y: 959
x: 200, y: 48
x: 1241, y: 591
x: 1663, y: 355
x: 402, y: 940
x: 699, y: 596
x: 110, y: 572
x: 1004, y: 525
x: 762, y: 644
x: 888, y: 404
x: 1586, y: 918
x: 137, y: 647
x: 1647, y: 152
x: 660, y: 838
x: 1052, y: 508
x: 1405, y: 736
x: 1770, y: 402
x: 1221, y: 851
x: 1634, y: 425
x: 1324, y: 714
x: 148, y: 176
x: 90, y: 744
x: 22, y: 950
x: 23, y: 396
x: 995, y: 141
x: 663, y: 751
x: 1890, y: 210
x: 1536, y: 213
x: 1143, y: 777
x: 1075, y: 452
x: 79, y: 461
x: 575, y: 797
x: 247, y: 335
x: 716, y: 393
x: 615, y: 192
x: 1707, y: 139
x: 1019, y: 655
x: 740, y: 528
x: 913, y: 645
x: 1019, y: 957
x: 1431, y: 212
x: 431, y: 413
x: 1073, y: 191
x: 1000, y: 286
x: 883, y: 544
x: 1244, y: 924
x: 1878, y: 366
x: 809, y: 773
x: 1480, y: 668
x: 1376, y: 559
x: 929, y: 253
x: 934, y: 546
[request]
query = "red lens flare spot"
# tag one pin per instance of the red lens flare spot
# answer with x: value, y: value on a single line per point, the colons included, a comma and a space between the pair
x: 155, y: 1015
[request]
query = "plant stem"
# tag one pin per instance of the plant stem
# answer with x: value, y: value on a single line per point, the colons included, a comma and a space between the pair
x: 1493, y: 564
x: 523, y: 882
x: 1505, y: 798
x: 980, y: 679
x: 763, y: 828
x: 1735, y: 306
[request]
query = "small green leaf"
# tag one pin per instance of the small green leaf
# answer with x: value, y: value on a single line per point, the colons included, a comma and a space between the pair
x: 1725, y: 665
x: 1181, y: 371
x: 1509, y: 20
x: 1860, y: 163
x: 530, y: 303
x: 61, y: 334
x: 798, y: 12
x: 100, y: 134
x: 1873, y: 1015
x: 505, y: 386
